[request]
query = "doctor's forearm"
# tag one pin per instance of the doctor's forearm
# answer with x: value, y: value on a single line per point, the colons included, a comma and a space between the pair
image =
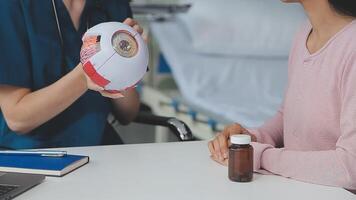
x: 126, y: 109
x: 25, y: 110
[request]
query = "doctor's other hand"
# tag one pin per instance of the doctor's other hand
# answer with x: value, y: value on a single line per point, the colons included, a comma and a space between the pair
x: 219, y: 146
x: 135, y: 25
x: 92, y: 86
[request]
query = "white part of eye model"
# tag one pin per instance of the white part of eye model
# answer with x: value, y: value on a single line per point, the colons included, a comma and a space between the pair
x: 114, y: 56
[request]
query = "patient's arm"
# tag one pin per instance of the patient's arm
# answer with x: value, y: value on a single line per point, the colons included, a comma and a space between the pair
x: 272, y: 131
x: 329, y: 167
x: 333, y: 166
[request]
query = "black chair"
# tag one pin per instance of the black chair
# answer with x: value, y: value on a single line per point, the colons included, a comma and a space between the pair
x: 179, y: 128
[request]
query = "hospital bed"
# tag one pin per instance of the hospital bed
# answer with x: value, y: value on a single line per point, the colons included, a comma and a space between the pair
x: 229, y: 61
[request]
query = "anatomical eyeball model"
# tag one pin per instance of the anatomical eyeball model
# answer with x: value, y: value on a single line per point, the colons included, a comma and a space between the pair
x: 114, y: 56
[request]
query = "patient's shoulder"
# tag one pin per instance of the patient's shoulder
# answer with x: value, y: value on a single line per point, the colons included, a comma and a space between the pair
x: 349, y: 36
x: 344, y: 42
x: 303, y: 31
x: 301, y: 35
x: 299, y: 41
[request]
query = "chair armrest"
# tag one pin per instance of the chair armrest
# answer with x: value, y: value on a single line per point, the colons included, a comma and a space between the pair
x: 178, y: 127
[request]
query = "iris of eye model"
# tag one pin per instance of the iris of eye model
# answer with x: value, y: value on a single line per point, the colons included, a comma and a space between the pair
x: 114, y: 56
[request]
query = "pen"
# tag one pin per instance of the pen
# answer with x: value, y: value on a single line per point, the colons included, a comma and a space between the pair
x: 45, y: 153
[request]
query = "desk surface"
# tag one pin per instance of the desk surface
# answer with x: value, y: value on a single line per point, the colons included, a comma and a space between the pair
x: 167, y: 171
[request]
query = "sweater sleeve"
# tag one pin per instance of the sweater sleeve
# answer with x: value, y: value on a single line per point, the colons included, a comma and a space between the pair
x: 272, y: 131
x: 335, y: 167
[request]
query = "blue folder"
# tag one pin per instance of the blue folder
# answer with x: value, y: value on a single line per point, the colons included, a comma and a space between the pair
x: 34, y: 164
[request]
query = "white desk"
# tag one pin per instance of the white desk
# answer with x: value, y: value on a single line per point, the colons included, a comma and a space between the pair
x: 174, y: 171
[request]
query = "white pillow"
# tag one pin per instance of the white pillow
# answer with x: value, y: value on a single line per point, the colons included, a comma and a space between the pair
x: 243, y: 27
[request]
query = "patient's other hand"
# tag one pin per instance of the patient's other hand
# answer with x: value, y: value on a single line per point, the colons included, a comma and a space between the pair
x: 219, y: 146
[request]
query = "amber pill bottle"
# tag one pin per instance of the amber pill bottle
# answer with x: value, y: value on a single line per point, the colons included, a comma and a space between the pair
x: 240, y: 158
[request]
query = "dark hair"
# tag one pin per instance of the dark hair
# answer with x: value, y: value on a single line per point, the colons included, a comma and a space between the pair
x: 344, y: 7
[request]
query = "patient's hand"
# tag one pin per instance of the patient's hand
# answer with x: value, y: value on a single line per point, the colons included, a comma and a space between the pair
x: 219, y: 146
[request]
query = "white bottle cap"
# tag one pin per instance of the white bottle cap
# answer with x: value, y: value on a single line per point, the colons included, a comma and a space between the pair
x: 240, y: 139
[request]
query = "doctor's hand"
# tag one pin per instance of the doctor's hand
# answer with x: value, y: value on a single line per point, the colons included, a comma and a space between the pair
x: 135, y: 25
x: 219, y: 146
x: 92, y: 86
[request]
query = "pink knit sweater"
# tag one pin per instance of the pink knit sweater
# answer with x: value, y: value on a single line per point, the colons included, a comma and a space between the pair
x: 312, y: 138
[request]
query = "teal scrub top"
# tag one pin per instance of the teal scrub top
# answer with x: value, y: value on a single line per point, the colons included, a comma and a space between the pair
x: 31, y: 56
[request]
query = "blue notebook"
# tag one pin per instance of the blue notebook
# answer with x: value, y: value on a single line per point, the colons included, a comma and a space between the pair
x: 50, y: 166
